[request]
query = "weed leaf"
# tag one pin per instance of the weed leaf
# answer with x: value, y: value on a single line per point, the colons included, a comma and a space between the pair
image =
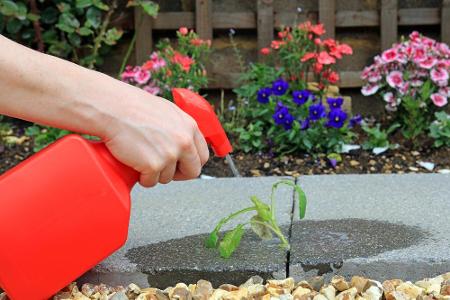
x: 262, y: 209
x: 231, y: 241
x: 259, y: 227
x: 211, y: 241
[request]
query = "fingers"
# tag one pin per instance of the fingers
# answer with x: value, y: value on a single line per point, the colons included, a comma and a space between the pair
x: 149, y: 179
x: 202, y: 147
x: 168, y: 173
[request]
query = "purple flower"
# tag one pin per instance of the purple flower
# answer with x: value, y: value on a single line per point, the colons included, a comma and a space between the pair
x: 288, y: 120
x: 263, y: 95
x: 301, y: 97
x: 355, y: 121
x: 333, y: 162
x: 304, y: 124
x: 279, y: 87
x: 336, y: 118
x: 335, y: 102
x: 316, y: 112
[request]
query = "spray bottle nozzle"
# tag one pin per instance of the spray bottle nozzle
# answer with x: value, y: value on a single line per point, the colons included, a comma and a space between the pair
x: 201, y: 111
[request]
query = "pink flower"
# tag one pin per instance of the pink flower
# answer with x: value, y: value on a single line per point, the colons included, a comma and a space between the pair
x: 416, y: 82
x: 392, y: 102
x: 439, y: 75
x: 403, y: 88
x: 265, y: 51
x: 419, y: 55
x: 325, y: 58
x: 389, y: 55
x: 142, y: 76
x: 370, y: 89
x: 158, y: 62
x: 438, y: 99
x: 428, y: 63
x: 395, y: 79
x: 308, y: 56
x: 445, y: 91
x: 129, y: 73
x: 183, y: 30
x: 154, y: 90
x: 374, y: 77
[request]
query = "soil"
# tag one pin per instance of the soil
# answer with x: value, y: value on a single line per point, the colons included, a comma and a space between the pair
x: 401, y: 160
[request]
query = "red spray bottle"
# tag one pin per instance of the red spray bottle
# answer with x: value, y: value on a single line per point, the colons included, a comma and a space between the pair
x: 66, y: 208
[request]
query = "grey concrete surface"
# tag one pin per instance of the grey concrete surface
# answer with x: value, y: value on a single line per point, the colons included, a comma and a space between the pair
x: 176, y: 214
x: 395, y: 207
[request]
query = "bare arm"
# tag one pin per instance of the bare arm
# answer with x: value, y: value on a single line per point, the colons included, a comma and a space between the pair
x: 143, y: 131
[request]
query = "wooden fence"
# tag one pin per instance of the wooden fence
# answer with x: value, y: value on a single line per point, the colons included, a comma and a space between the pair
x: 387, y: 18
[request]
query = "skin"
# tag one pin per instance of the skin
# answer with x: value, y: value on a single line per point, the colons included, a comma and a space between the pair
x: 145, y: 132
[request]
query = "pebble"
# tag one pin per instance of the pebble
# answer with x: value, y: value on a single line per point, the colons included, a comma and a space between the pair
x: 255, y: 173
x: 372, y: 162
x: 354, y: 163
x: 414, y: 169
x: 266, y: 165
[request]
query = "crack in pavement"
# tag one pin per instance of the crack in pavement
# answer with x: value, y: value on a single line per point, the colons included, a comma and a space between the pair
x: 291, y: 223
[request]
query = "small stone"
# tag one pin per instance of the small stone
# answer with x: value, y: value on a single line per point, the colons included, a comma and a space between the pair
x: 255, y: 172
x: 180, y: 292
x: 237, y: 294
x: 3, y: 296
x: 300, y: 291
x: 59, y: 296
x: 444, y: 171
x: 256, y: 290
x: 320, y: 297
x: 414, y: 169
x: 266, y: 165
x: 415, y: 153
x: 287, y: 283
x: 372, y: 162
x: 391, y: 285
x: 431, y: 285
x: 397, y: 166
x: 228, y: 287
x: 445, y: 290
x: 373, y: 293
x: 219, y: 294
x: 290, y: 173
x: 426, y: 165
x: 309, y: 296
x: 328, y: 291
x: 316, y: 283
x: 373, y: 169
x: 119, y: 296
x: 88, y: 289
x: 340, y: 283
x: 348, y: 294
x: 203, y: 290
x: 354, y: 163
x: 254, y: 280
x: 396, y: 295
x: 359, y: 283
x: 410, y: 290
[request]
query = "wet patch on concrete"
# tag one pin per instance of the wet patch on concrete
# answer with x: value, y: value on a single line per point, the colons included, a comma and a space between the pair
x: 187, y: 260
x: 325, y: 245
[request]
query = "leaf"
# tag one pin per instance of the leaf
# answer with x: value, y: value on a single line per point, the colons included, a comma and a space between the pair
x: 8, y: 8
x: 13, y: 26
x: 83, y: 31
x: 74, y: 39
x: 49, y: 15
x: 112, y: 36
x: 300, y: 194
x: 33, y: 17
x: 150, y: 7
x: 258, y: 227
x: 94, y: 16
x: 100, y: 5
x: 231, y: 241
x: 84, y: 3
x: 211, y: 241
x: 262, y: 209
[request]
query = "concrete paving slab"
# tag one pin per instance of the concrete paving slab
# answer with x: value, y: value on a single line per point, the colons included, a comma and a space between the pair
x: 165, y: 242
x: 401, y: 230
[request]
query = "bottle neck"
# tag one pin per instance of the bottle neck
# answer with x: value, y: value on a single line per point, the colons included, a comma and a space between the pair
x: 128, y: 175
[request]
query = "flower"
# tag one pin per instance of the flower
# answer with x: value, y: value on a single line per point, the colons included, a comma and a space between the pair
x: 439, y: 74
x: 336, y: 118
x: 158, y: 62
x: 142, y: 76
x: 334, y: 103
x: 129, y: 73
x: 304, y: 124
x: 308, y: 56
x: 318, y: 67
x: 428, y: 63
x: 392, y: 102
x: 183, y: 60
x: 196, y: 42
x: 263, y: 95
x: 325, y: 58
x: 355, y: 121
x: 389, y: 55
x: 333, y: 77
x: 282, y: 115
x: 439, y: 100
x: 154, y: 90
x: 369, y: 89
x: 279, y: 87
x: 276, y: 44
x: 301, y: 97
x: 316, y: 112
x: 318, y: 29
x: 265, y: 51
x: 183, y: 30
x: 288, y: 120
x: 395, y: 79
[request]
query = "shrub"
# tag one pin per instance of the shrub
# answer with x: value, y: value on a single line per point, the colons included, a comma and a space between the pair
x: 440, y: 129
x: 168, y: 67
x: 290, y: 110
x: 412, y: 78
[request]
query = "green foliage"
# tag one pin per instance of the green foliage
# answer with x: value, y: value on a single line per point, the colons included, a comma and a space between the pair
x: 377, y: 137
x: 44, y: 135
x: 264, y: 223
x: 440, y: 130
x: 78, y: 30
x: 251, y: 138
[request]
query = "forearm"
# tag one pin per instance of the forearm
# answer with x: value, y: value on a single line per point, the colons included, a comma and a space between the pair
x: 47, y: 90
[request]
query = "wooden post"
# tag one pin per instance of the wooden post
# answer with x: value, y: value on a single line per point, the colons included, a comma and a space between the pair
x: 144, y: 40
x: 389, y: 23
x: 203, y: 19
x: 327, y: 16
x: 445, y: 22
x: 265, y: 24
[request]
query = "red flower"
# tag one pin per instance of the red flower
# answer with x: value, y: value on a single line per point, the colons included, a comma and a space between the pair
x: 183, y: 60
x: 308, y: 56
x: 196, y: 42
x: 318, y: 29
x: 333, y: 77
x: 183, y: 30
x: 265, y: 51
x: 276, y: 44
x: 148, y: 65
x: 305, y: 26
x: 329, y: 43
x: 345, y: 49
x: 318, y: 67
x: 317, y: 41
x: 325, y: 58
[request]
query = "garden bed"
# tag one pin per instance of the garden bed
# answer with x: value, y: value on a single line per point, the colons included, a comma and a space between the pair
x: 255, y: 288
